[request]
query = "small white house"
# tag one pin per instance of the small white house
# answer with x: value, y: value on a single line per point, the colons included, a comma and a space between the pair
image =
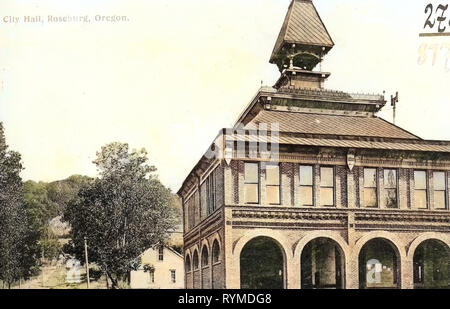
x: 168, y: 270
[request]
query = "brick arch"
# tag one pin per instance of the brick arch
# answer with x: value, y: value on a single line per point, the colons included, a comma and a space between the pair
x: 187, y: 252
x: 216, y: 279
x: 188, y: 255
x: 193, y: 250
x: 321, y: 234
x: 396, y: 243
x: 424, y: 237
x: 204, y: 244
x: 216, y: 237
x: 392, y: 238
x: 275, y: 236
x: 334, y: 236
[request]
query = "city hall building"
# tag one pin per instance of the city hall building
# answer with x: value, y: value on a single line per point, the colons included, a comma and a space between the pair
x: 312, y: 190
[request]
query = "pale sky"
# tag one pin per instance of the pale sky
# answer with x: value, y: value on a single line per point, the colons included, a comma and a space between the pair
x: 178, y: 71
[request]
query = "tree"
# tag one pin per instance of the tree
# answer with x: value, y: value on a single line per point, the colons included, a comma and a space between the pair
x: 63, y: 191
x: 40, y: 210
x: 122, y: 213
x: 17, y: 239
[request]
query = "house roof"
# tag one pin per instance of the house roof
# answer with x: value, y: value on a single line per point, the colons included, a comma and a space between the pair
x: 331, y: 125
x: 302, y: 26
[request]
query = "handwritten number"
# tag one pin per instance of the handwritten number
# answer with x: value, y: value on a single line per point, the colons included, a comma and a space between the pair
x: 422, y: 54
x: 447, y: 56
x: 428, y: 23
x: 441, y: 18
x: 435, y: 48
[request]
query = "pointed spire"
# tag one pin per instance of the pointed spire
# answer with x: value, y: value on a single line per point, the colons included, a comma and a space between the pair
x: 303, y: 39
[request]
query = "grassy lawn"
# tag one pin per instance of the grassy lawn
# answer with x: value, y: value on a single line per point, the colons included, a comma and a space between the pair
x: 54, y: 277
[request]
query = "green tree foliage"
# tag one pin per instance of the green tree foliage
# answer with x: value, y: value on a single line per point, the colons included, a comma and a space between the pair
x: 122, y: 213
x: 45, y: 201
x: 18, y: 241
x: 40, y: 207
x: 62, y: 192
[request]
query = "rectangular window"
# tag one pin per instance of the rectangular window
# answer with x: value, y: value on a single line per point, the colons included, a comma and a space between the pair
x: 370, y: 188
x: 327, y: 186
x: 306, y: 185
x: 390, y: 188
x: 211, y: 192
x: 191, y: 212
x: 251, y: 183
x: 439, y: 190
x: 420, y: 190
x: 161, y: 253
x: 173, y: 276
x: 152, y: 276
x: 273, y: 184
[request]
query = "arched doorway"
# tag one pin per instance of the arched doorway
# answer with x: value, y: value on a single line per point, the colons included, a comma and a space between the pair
x: 322, y: 265
x: 262, y: 264
x: 379, y: 265
x: 431, y: 265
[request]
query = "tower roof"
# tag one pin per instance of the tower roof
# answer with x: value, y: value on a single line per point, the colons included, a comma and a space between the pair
x: 304, y: 28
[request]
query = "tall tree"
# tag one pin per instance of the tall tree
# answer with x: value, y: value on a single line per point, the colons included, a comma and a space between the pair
x: 122, y: 213
x: 45, y: 203
x: 17, y: 239
x: 63, y: 191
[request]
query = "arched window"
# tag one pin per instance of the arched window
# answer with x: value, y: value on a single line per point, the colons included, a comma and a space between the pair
x: 188, y: 264
x: 195, y: 257
x: 216, y: 252
x: 205, y: 257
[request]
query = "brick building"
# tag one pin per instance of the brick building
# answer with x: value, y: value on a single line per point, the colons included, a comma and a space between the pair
x: 311, y: 189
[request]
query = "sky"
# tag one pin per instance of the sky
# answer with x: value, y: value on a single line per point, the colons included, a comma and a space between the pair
x: 173, y: 73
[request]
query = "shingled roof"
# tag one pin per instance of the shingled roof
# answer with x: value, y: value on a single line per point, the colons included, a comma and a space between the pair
x: 302, y: 26
x: 323, y: 124
x: 351, y: 142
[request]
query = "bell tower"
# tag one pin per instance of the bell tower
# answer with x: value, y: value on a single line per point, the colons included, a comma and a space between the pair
x: 301, y: 45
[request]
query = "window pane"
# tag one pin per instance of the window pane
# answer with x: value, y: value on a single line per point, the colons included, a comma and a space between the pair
x: 306, y: 196
x: 216, y: 251
x: 420, y: 180
x: 420, y: 197
x: 439, y: 199
x: 391, y: 198
x: 272, y: 175
x: 439, y: 181
x: 390, y: 179
x: 370, y: 197
x: 251, y: 173
x: 306, y: 175
x: 273, y: 194
x: 251, y: 193
x: 195, y: 260
x: 370, y: 178
x: 152, y: 276
x: 326, y: 196
x: 326, y: 177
